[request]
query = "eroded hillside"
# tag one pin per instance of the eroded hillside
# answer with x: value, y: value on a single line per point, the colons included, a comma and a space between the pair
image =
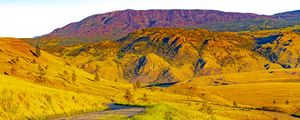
x: 160, y: 55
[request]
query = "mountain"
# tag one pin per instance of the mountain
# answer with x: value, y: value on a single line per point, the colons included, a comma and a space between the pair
x: 119, y: 23
x: 289, y: 15
x: 116, y: 24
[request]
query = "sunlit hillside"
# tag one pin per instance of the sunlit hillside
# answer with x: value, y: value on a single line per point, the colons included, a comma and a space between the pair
x: 43, y: 86
x: 161, y: 55
x: 170, y: 65
x: 280, y: 46
x: 259, y: 91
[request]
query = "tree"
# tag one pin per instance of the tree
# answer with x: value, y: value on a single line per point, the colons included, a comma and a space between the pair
x: 97, y: 78
x: 206, y: 108
x: 128, y: 96
x: 33, y: 61
x: 74, y: 77
x: 235, y: 104
x: 287, y: 102
x: 13, y: 70
x: 37, y: 50
x: 41, y: 73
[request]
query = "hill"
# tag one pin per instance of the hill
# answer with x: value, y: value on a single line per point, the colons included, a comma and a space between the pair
x: 208, y: 71
x: 42, y: 86
x: 161, y: 55
x: 279, y: 46
x: 274, y: 90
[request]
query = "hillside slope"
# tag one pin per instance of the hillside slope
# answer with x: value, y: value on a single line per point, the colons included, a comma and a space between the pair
x: 43, y: 87
x: 279, y: 46
x: 48, y: 77
x: 18, y: 59
x: 23, y: 100
x: 160, y: 55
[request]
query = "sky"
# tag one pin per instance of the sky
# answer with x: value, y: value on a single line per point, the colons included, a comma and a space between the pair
x: 30, y: 18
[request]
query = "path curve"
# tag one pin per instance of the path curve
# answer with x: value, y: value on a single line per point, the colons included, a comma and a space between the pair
x: 114, y: 111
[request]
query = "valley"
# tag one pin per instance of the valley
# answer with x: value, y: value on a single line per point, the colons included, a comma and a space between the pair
x: 164, y: 70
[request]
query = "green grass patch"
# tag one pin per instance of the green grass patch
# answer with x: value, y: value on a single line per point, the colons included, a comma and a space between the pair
x: 168, y: 111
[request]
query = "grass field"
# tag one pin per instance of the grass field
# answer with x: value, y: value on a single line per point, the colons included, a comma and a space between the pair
x: 23, y: 100
x: 47, y: 86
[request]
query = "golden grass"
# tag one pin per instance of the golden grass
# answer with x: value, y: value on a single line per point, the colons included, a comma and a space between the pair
x: 262, y: 76
x: 23, y: 100
x: 23, y: 97
x: 261, y: 94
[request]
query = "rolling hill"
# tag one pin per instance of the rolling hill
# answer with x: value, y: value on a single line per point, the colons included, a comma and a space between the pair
x: 43, y: 86
x: 239, y: 67
x: 161, y: 55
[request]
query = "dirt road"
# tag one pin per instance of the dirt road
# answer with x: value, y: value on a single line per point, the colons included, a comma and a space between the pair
x: 115, y: 111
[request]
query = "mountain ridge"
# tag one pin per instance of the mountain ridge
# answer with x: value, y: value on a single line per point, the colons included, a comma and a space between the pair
x: 116, y: 24
x: 119, y: 23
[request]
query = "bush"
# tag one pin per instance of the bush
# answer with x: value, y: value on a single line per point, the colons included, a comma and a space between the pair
x: 145, y: 98
x: 74, y: 77
x: 41, y: 73
x: 97, y: 78
x: 128, y: 96
x: 235, y: 104
x: 287, y: 102
x: 37, y: 50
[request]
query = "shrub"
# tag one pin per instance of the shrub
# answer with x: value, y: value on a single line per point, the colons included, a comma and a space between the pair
x: 206, y: 108
x: 41, y: 73
x: 13, y: 70
x: 37, y: 50
x: 137, y: 85
x: 145, y: 98
x: 235, y: 104
x: 33, y: 61
x: 74, y: 77
x: 128, y: 96
x: 97, y: 78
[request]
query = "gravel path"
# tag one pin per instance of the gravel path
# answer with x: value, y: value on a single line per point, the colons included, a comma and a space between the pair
x: 115, y: 111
